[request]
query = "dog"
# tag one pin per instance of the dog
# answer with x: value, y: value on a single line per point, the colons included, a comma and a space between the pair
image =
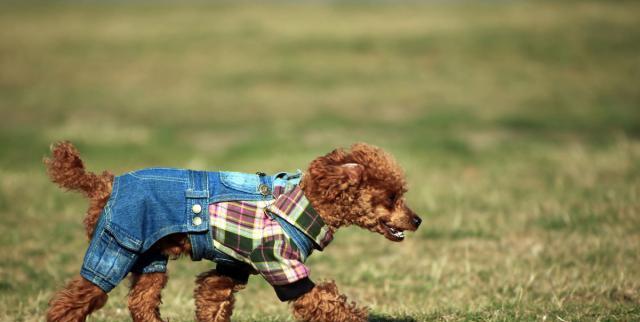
x: 138, y: 220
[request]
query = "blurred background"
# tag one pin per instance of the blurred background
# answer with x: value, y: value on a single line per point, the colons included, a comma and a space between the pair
x: 518, y: 124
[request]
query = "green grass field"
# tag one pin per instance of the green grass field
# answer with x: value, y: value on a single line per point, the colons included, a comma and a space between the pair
x: 518, y: 124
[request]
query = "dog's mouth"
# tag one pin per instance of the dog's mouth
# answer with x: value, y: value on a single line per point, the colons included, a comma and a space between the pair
x: 392, y: 233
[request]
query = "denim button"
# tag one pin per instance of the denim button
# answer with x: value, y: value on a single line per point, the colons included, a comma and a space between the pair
x: 264, y: 189
x: 196, y: 221
x: 196, y: 209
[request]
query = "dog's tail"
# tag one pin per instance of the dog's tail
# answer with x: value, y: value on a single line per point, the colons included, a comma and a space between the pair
x: 66, y: 169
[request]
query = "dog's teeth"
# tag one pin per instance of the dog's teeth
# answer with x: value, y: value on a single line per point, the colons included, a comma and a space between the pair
x: 396, y: 233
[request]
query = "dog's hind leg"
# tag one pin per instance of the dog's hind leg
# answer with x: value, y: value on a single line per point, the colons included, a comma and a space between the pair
x: 145, y: 297
x: 76, y: 301
x: 214, y: 296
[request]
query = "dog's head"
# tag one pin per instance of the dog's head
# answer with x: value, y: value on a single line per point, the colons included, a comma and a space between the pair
x: 363, y: 186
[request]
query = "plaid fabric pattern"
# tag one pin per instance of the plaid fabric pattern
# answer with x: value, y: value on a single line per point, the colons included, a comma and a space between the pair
x: 296, y: 209
x: 245, y: 230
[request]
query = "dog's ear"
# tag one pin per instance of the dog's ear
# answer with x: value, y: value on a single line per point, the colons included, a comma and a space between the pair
x: 340, y: 177
x: 334, y: 173
x: 352, y: 173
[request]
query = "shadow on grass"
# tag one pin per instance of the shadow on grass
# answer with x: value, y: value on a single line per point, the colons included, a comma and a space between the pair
x: 385, y: 318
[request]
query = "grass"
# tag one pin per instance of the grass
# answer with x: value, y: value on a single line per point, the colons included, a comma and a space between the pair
x: 518, y: 124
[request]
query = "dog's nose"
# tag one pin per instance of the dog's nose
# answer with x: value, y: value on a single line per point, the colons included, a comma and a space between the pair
x: 417, y: 221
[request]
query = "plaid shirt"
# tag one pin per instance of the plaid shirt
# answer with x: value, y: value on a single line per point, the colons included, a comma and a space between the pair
x: 245, y: 230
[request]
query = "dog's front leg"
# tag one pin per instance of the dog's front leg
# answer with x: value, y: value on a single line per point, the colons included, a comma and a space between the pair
x: 325, y: 304
x: 214, y: 296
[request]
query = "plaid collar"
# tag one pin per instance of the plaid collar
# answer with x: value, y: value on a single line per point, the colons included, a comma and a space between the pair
x: 296, y: 209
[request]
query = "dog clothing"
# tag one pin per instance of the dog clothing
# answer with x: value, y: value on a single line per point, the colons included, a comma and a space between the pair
x: 275, y: 237
x: 246, y: 223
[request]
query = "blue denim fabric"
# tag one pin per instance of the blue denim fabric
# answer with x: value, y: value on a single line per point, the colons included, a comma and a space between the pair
x: 106, y: 263
x: 148, y: 204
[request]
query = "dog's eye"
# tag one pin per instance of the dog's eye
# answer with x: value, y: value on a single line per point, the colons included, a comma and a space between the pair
x: 393, y: 198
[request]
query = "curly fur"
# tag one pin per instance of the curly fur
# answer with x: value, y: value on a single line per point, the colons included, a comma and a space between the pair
x: 66, y: 169
x: 77, y: 300
x: 145, y: 298
x: 347, y: 186
x: 174, y: 245
x: 325, y: 304
x: 362, y: 186
x: 214, y: 297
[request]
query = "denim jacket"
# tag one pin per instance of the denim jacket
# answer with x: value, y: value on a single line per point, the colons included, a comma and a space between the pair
x: 148, y: 204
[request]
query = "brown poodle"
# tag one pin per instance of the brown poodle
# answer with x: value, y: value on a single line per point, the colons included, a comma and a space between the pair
x: 362, y: 186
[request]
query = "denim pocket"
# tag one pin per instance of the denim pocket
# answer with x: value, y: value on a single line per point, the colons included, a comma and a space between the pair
x: 239, y: 181
x: 108, y: 259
